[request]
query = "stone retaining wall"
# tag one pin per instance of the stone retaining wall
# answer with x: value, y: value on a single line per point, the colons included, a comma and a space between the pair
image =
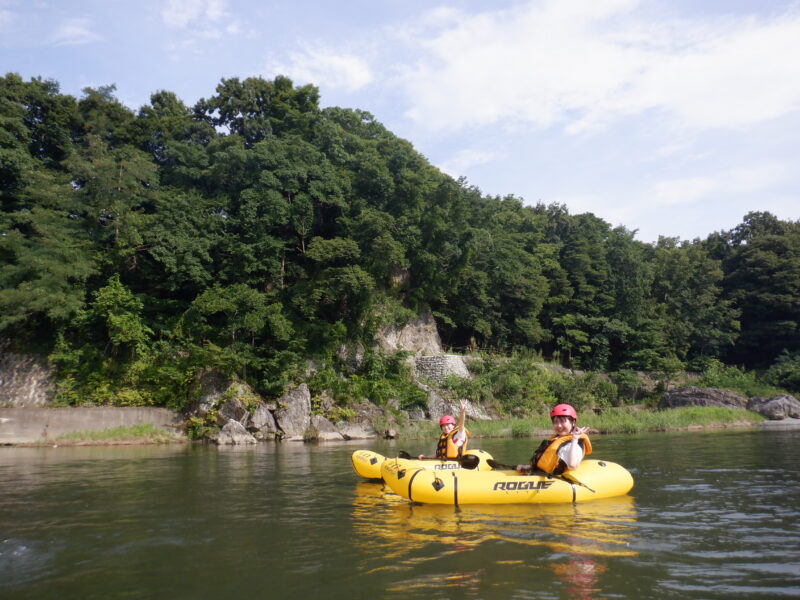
x: 31, y: 425
x: 24, y: 380
x: 437, y: 368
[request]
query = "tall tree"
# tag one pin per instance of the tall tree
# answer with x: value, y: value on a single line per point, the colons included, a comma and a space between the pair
x: 763, y: 281
x: 695, y: 317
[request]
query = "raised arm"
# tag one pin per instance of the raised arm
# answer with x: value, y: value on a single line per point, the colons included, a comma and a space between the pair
x: 575, y: 453
x: 463, y: 415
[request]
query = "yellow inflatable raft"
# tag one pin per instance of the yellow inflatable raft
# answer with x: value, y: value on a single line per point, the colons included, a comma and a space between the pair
x: 368, y: 463
x: 593, y: 479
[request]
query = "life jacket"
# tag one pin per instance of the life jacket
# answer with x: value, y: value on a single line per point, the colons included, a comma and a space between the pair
x: 447, y: 448
x: 546, y: 458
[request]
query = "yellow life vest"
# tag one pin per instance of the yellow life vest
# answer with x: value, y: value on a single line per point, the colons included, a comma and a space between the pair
x: 447, y: 448
x: 546, y: 457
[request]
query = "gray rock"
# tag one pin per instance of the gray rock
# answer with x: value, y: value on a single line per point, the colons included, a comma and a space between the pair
x: 416, y: 414
x: 326, y: 430
x: 326, y: 402
x: 366, y: 410
x: 356, y: 431
x: 211, y: 386
x: 263, y: 424
x: 701, y: 396
x: 294, y: 415
x: 232, y: 409
x: 234, y: 433
x: 419, y: 336
x: 776, y: 408
x: 352, y: 356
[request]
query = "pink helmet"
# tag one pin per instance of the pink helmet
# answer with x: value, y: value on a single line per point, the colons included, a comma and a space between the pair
x: 563, y: 410
x: 447, y: 420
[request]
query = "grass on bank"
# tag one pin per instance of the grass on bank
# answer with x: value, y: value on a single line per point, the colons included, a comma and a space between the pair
x: 135, y: 434
x: 611, y: 420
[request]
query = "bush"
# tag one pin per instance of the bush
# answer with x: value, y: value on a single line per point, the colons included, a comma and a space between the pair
x: 785, y: 372
x: 733, y: 378
x: 629, y: 385
x: 380, y: 378
x: 586, y: 391
x: 513, y: 386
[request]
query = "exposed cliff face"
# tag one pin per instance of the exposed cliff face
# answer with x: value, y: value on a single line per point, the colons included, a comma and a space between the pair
x: 25, y: 381
x: 419, y: 336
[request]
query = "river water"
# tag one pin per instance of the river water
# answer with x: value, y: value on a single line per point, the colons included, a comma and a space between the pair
x: 711, y: 515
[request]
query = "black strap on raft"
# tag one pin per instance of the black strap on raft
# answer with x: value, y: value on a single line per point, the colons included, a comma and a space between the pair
x: 410, y: 481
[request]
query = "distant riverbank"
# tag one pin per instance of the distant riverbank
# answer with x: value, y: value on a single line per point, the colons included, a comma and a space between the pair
x: 610, y: 421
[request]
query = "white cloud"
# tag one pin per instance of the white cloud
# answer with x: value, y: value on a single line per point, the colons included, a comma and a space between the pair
x: 584, y: 64
x: 457, y: 165
x: 326, y: 68
x: 74, y: 32
x: 738, y: 74
x: 179, y: 13
x: 726, y: 184
x: 696, y: 205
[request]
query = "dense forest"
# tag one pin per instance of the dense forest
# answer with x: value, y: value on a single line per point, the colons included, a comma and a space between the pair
x: 254, y: 232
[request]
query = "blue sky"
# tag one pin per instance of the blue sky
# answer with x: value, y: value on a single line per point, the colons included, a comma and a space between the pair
x: 670, y: 117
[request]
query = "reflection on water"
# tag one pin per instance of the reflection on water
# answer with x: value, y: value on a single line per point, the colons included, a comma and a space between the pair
x: 711, y: 515
x: 575, y: 538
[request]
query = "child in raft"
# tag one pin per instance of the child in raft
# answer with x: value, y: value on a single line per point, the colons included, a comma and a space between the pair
x: 564, y: 450
x: 453, y: 440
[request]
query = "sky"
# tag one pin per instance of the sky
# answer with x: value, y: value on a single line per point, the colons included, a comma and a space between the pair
x: 668, y: 117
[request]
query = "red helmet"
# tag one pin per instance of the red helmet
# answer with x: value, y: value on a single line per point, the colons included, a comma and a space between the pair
x: 563, y: 410
x: 447, y: 420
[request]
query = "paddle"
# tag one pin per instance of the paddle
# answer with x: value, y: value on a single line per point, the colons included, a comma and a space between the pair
x: 469, y: 461
x: 565, y: 476
x: 571, y: 479
x: 496, y: 465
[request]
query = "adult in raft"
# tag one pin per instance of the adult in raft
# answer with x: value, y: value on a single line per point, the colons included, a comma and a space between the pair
x: 564, y: 450
x: 454, y: 438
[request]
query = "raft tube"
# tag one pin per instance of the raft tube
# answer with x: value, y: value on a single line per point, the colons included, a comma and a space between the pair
x: 367, y: 463
x: 593, y: 479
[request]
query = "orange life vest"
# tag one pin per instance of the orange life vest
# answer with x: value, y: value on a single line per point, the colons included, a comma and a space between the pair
x: 546, y: 457
x: 447, y: 448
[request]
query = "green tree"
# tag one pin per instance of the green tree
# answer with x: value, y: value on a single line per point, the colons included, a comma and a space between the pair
x: 695, y: 317
x: 256, y: 109
x: 115, y: 191
x: 114, y: 317
x: 763, y: 281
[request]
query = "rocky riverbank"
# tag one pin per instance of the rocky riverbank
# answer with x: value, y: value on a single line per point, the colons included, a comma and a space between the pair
x: 230, y: 412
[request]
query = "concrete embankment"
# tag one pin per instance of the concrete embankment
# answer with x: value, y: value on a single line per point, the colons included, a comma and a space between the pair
x: 32, y: 425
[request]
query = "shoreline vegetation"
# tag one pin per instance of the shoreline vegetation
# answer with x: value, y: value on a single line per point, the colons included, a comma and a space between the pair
x: 622, y: 420
x: 144, y: 434
x: 259, y: 237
